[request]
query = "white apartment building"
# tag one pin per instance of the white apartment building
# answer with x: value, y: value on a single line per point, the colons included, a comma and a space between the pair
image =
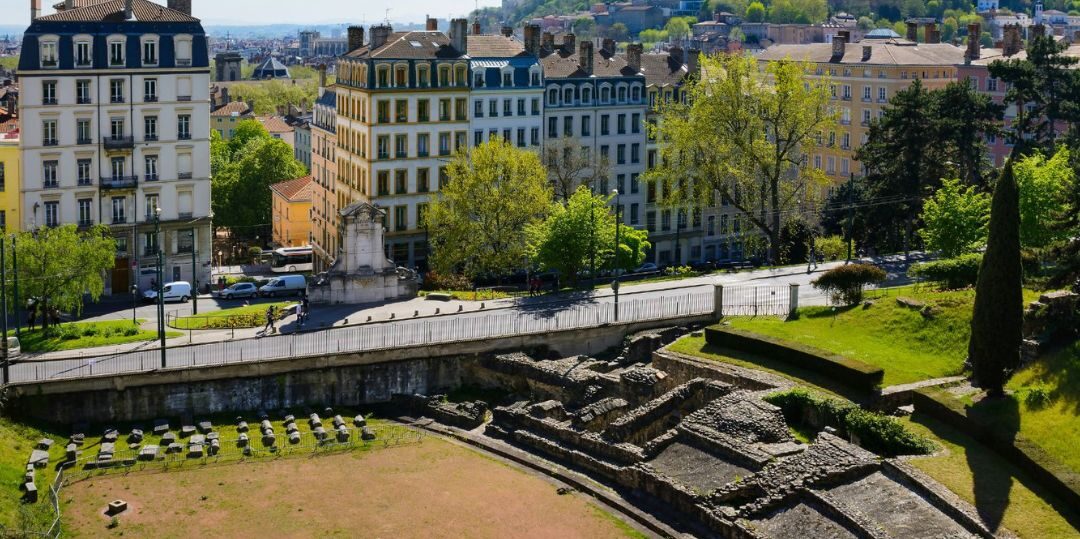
x: 115, y: 118
x: 507, y: 91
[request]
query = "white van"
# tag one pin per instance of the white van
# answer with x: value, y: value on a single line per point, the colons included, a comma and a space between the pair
x: 178, y: 291
x: 286, y: 285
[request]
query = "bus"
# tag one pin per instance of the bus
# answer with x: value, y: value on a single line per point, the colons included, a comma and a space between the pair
x: 292, y: 259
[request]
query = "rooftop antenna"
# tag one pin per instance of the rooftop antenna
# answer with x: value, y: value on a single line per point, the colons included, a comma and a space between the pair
x: 388, y: 16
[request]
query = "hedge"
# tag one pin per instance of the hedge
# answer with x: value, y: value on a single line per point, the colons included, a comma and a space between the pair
x: 850, y: 372
x: 952, y: 273
x: 876, y: 432
x: 1059, y: 479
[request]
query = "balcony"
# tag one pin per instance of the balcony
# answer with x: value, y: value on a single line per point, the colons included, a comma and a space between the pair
x: 150, y: 178
x: 120, y: 182
x: 50, y: 142
x: 183, y: 136
x: 119, y: 143
x: 82, y: 101
x: 150, y: 99
x: 184, y: 176
x: 49, y: 101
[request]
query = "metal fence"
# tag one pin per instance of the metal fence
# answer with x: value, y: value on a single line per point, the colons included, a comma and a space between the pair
x: 534, y: 320
x: 757, y: 301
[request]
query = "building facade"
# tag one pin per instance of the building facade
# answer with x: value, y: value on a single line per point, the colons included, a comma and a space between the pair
x: 507, y: 91
x: 116, y: 113
x: 325, y: 239
x: 10, y: 180
x: 290, y: 204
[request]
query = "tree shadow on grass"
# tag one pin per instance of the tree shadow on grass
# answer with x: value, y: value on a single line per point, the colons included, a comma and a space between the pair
x: 991, y: 486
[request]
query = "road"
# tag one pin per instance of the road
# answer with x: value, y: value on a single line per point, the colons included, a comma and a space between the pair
x: 745, y: 293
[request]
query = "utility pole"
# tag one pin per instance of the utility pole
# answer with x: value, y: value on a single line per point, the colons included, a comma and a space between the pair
x: 3, y: 305
x: 160, y: 284
x: 15, y: 277
x: 851, y: 217
x: 194, y: 275
x: 615, y: 269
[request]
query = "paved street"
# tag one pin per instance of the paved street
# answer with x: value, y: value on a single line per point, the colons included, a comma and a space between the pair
x: 769, y: 283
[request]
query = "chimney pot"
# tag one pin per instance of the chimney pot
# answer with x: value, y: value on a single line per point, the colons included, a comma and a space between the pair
x: 532, y: 39
x: 183, y: 6
x: 693, y: 59
x: 458, y: 34
x: 379, y: 35
x: 35, y: 9
x: 549, y: 41
x: 508, y: 31
x: 839, y: 43
x: 569, y: 43
x: 912, y: 31
x: 867, y: 51
x: 585, y: 57
x: 931, y: 33
x: 356, y: 37
x: 432, y: 25
x: 128, y: 10
x: 609, y: 45
x: 973, y: 47
x: 633, y: 55
x: 476, y: 27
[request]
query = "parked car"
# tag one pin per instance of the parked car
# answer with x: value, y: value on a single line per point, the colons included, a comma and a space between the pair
x: 647, y: 267
x: 286, y: 285
x: 178, y: 291
x: 239, y: 290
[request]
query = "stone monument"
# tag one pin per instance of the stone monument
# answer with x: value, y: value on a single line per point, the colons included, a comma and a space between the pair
x: 362, y: 273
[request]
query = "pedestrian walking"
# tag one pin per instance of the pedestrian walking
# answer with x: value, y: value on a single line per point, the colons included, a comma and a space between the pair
x: 305, y: 307
x: 31, y: 316
x: 270, y: 316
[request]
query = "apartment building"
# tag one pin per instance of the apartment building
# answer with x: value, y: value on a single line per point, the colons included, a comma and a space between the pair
x: 290, y: 203
x: 507, y: 89
x: 116, y: 126
x: 403, y: 109
x: 324, y: 205
x: 864, y: 76
x: 597, y: 98
x: 10, y: 180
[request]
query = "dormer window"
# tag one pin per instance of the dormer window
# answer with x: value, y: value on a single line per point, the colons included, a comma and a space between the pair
x: 478, y: 79
x: 423, y: 78
x: 444, y: 76
x: 48, y: 54
x: 116, y: 53
x: 635, y: 94
x: 183, y: 50
x: 149, y: 53
x: 568, y: 96
x: 382, y: 77
x: 508, y: 78
x: 605, y: 95
x: 586, y: 95
x: 553, y: 97
x: 401, y: 77
x: 460, y: 75
x: 83, y: 55
x: 622, y: 94
x: 534, y: 79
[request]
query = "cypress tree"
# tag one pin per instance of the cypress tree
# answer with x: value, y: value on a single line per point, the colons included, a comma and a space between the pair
x: 996, y: 324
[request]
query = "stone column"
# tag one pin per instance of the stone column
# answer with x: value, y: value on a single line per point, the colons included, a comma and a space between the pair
x: 718, y: 301
x: 793, y: 300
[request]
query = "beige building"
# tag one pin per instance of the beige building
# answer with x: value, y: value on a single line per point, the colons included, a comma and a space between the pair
x: 325, y: 239
x: 291, y: 211
x: 864, y: 76
x: 224, y: 119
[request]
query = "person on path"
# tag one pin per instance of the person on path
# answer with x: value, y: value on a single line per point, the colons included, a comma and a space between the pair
x: 270, y: 316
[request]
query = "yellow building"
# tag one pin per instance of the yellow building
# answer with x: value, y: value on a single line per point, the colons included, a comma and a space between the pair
x: 864, y: 76
x: 10, y: 182
x: 224, y: 119
x: 291, y: 207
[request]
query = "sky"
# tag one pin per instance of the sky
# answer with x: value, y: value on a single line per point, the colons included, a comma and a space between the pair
x: 295, y: 11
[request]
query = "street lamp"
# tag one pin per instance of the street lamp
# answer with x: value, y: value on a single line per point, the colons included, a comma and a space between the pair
x: 134, y: 303
x: 160, y: 284
x: 615, y: 264
x: 194, y: 275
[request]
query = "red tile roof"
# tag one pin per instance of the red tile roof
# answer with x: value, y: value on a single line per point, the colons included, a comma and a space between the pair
x: 275, y: 124
x: 113, y: 11
x: 298, y: 190
x: 238, y: 107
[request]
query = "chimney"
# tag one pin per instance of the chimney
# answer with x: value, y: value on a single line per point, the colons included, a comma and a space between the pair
x: 508, y: 31
x: 322, y: 79
x: 225, y: 97
x: 356, y: 37
x: 693, y: 59
x: 973, y: 51
x: 839, y: 43
x: 676, y: 53
x: 549, y: 41
x: 633, y: 55
x: 379, y: 35
x: 532, y: 39
x: 867, y: 51
x: 128, y: 14
x: 609, y: 46
x: 912, y: 31
x: 931, y: 34
x: 432, y: 25
x: 585, y: 57
x: 35, y: 9
x: 569, y: 43
x: 1011, y: 43
x: 69, y: 5
x: 183, y: 6
x: 476, y: 27
x: 458, y: 38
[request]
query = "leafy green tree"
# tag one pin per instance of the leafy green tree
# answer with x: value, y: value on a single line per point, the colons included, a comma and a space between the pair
x: 60, y: 266
x: 997, y: 320
x: 962, y: 119
x: 569, y: 167
x: 955, y: 219
x: 755, y: 12
x: 243, y: 170
x: 742, y: 134
x: 582, y: 231
x: 652, y: 36
x: 619, y: 32
x: 269, y: 95
x: 1046, y: 87
x: 677, y: 29
x: 1044, y: 198
x: 584, y: 27
x: 477, y: 223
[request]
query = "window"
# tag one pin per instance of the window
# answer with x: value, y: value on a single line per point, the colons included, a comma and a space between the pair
x: 568, y: 126
x: 116, y: 129
x: 650, y: 194
x: 866, y: 117
x: 48, y: 133
x: 150, y: 94
x: 620, y: 124
x: 48, y: 54
x: 478, y: 108
x: 586, y: 126
x: 507, y: 78
x: 478, y: 137
x: 116, y: 53
x: 444, y: 177
x: 401, y: 182
x: 568, y: 96
x: 650, y: 221
x: 85, y: 218
x: 536, y: 106
x: 151, y: 205
x: 521, y: 142
x: 461, y: 139
x: 605, y: 129
x: 423, y: 143
x: 116, y: 90
x: 185, y: 241
x: 665, y: 220
x: 553, y: 127
x: 82, y: 92
x: 461, y: 109
x: 3, y: 179
x: 535, y: 136
x: 150, y: 131
x: 423, y: 110
x: 82, y: 54
x: 635, y: 123
x: 635, y: 185
x: 493, y: 108
x: 521, y: 107
x: 444, y: 144
x: 508, y: 107
x: 401, y: 218
x: 478, y: 79
x: 620, y: 154
x: 183, y: 127
x: 991, y: 85
x: 52, y: 214
x: 401, y: 77
x: 634, y: 211
x: 401, y: 111
x: 150, y: 167
x: 119, y: 210
x: 423, y: 180
x: 48, y: 92
x: 881, y: 94
x: 83, y: 174
x: 149, y: 53
x: 382, y: 147
x: 382, y: 112
x: 383, y: 187
x: 401, y: 146
x: 118, y: 168
x: 635, y: 153
x: 534, y: 79
x: 605, y: 152
x: 444, y: 110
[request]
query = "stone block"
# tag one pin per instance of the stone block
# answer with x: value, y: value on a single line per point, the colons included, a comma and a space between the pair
x: 174, y: 448
x: 111, y: 435
x: 31, y: 494
x: 242, y: 440
x: 45, y: 444
x: 198, y: 439
x: 78, y: 439
x: 294, y: 437
x: 28, y: 477
x: 148, y: 453
x: 338, y: 421
x: 205, y: 426
x: 242, y: 426
x: 116, y: 507
x: 268, y: 440
x: 107, y: 449
x: 211, y: 436
x: 343, y: 434
x: 359, y: 421
x: 195, y: 451
x: 367, y: 434
x: 168, y: 438
x: 314, y: 421
x: 71, y: 453
x: 161, y: 426
x: 320, y: 433
x: 136, y: 436
x: 187, y: 430
x: 214, y: 448
x: 290, y: 418
x: 291, y: 428
x: 265, y: 426
x: 134, y: 447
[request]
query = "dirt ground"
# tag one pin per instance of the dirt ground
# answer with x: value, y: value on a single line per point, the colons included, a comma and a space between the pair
x: 433, y: 489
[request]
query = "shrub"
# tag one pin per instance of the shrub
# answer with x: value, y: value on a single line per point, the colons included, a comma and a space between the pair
x: 831, y: 247
x: 680, y: 271
x: 131, y: 331
x: 875, y: 432
x: 443, y: 281
x: 952, y: 273
x: 845, y: 283
x: 1038, y: 397
x: 90, y: 330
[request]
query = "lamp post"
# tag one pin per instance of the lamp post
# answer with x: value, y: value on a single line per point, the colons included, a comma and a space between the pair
x: 15, y: 279
x: 194, y: 275
x: 134, y: 303
x: 615, y: 264
x: 3, y: 306
x: 160, y: 284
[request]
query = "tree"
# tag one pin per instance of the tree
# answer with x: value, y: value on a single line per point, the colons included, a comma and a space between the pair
x: 997, y: 320
x: 955, y: 219
x: 582, y: 231
x: 59, y: 266
x: 478, y: 223
x: 584, y: 27
x: 619, y: 32
x: 1044, y: 204
x: 677, y: 29
x: 742, y: 135
x: 268, y: 96
x: 243, y: 170
x: 571, y: 165
x: 755, y: 12
x: 1044, y: 85
x: 962, y: 118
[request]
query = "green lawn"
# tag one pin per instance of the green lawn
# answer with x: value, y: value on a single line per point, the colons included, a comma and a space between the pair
x: 71, y: 336
x: 248, y: 316
x: 16, y: 443
x: 900, y: 340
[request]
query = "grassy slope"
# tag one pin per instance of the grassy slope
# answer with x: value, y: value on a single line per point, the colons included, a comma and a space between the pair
x: 206, y: 321
x: 16, y: 443
x: 907, y: 345
x: 37, y: 341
